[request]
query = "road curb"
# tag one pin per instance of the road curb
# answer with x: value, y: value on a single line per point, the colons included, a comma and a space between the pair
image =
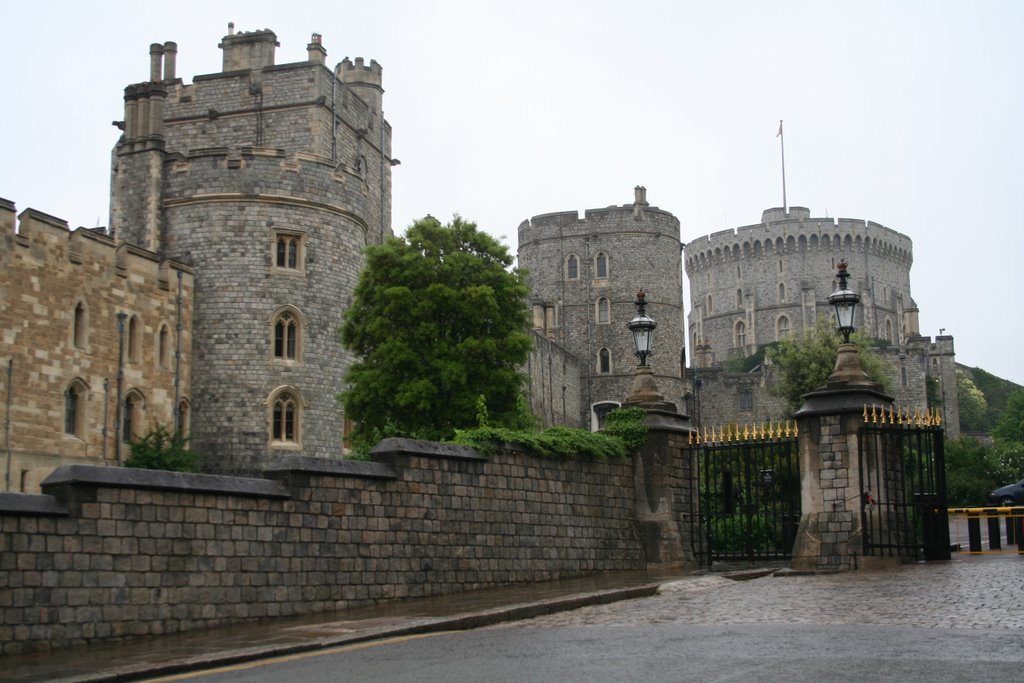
x: 457, y: 622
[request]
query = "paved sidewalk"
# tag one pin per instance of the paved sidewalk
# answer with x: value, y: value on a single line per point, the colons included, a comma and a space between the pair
x: 982, y: 592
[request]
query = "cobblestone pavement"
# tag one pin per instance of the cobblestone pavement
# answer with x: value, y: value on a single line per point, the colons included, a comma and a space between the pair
x: 970, y: 593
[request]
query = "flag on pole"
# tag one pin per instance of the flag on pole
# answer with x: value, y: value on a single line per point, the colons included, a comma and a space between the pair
x: 780, y: 129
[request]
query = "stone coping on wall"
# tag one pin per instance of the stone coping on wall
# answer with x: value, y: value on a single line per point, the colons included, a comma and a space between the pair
x: 32, y: 505
x: 304, y: 464
x: 388, y: 449
x: 126, y: 477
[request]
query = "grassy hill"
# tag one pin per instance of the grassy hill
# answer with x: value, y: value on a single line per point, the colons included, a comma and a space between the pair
x: 996, y: 391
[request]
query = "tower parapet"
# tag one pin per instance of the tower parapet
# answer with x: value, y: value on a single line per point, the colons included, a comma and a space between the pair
x: 248, y: 51
x: 364, y: 80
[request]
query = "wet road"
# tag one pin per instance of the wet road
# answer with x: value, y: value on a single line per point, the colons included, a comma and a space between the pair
x: 951, y: 621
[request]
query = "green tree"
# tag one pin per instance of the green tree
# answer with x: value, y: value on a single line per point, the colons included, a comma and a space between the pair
x: 973, y: 405
x: 439, y: 319
x: 161, y: 450
x: 1011, y: 425
x: 972, y: 470
x: 805, y: 363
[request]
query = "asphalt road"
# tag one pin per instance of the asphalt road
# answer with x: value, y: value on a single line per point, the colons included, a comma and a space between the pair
x: 661, y: 652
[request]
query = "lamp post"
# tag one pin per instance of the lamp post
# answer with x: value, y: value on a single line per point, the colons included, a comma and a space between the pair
x: 642, y: 329
x: 645, y: 390
x: 848, y: 368
x: 845, y: 301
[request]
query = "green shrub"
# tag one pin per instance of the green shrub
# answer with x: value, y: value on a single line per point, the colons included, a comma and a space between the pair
x: 557, y: 443
x: 161, y: 450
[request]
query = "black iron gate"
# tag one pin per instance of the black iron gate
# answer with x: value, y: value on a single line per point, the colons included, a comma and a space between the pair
x: 749, y: 493
x: 903, y: 476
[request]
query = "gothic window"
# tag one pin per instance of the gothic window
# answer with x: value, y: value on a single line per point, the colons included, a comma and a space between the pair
x: 288, y: 254
x: 74, y: 409
x: 285, y: 417
x: 163, y: 346
x: 746, y: 401
x: 781, y: 328
x: 782, y: 292
x: 572, y: 267
x: 603, y: 313
x: 601, y: 265
x: 134, y: 332
x: 79, y: 327
x: 604, y: 361
x: 740, y: 334
x: 287, y: 335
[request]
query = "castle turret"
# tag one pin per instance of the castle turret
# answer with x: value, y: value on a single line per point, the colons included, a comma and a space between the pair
x: 252, y: 50
x: 365, y: 81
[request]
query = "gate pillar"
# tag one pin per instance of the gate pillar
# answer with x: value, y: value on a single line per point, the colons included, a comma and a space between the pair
x: 665, y: 478
x: 830, y: 534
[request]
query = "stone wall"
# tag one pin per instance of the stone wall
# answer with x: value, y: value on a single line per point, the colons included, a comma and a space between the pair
x: 554, y: 387
x: 112, y: 553
x: 60, y: 294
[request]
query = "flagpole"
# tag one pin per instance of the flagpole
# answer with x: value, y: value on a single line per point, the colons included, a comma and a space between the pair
x: 782, y: 142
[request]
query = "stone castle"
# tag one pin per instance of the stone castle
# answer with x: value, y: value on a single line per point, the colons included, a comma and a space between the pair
x: 240, y: 204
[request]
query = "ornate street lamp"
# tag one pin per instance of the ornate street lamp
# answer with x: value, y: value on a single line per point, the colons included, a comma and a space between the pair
x: 845, y: 301
x: 642, y: 329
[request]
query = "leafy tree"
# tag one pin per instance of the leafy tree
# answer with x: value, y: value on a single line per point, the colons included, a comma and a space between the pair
x: 161, y: 450
x: 972, y: 470
x: 806, y: 363
x: 1011, y: 426
x: 973, y: 405
x: 439, y: 319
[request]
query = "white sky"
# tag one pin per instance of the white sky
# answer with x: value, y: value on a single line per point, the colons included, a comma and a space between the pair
x: 910, y: 114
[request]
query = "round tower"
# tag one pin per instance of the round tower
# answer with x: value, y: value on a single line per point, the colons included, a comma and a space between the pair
x: 584, y: 274
x: 756, y: 284
x: 271, y: 188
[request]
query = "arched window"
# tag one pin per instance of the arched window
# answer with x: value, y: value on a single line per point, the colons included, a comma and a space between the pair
x: 134, y: 343
x: 79, y: 327
x: 603, y: 312
x: 183, y: 418
x: 739, y: 298
x: 888, y: 330
x: 781, y: 328
x: 285, y: 417
x: 131, y: 417
x: 740, y: 334
x: 782, y: 292
x: 163, y: 346
x: 74, y: 409
x: 572, y: 267
x: 604, y: 361
x: 709, y: 303
x: 601, y: 265
x: 287, y: 335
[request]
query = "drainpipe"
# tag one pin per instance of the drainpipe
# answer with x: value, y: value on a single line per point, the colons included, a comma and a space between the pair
x: 382, y: 162
x: 176, y: 412
x: 7, y: 423
x: 120, y: 385
x: 106, y: 417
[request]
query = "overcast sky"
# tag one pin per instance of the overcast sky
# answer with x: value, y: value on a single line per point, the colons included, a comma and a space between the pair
x: 909, y: 114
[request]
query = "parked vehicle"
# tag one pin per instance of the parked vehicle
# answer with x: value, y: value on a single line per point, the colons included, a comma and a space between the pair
x: 1012, y: 494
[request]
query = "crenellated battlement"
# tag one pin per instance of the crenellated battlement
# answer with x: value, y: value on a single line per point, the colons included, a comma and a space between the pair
x: 636, y: 217
x: 796, y: 231
x: 45, y: 243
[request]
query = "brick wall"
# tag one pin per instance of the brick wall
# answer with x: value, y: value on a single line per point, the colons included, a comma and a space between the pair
x: 110, y: 553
